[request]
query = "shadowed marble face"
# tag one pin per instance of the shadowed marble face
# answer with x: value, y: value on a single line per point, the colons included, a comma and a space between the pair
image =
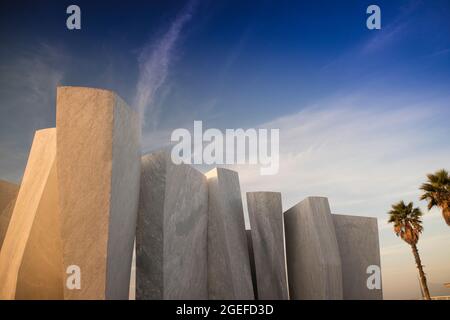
x: 171, y: 249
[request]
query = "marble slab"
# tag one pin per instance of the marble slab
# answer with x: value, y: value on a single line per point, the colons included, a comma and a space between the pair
x: 31, y: 256
x: 267, y: 235
x: 248, y: 232
x: 98, y: 161
x: 312, y: 251
x: 171, y: 248
x: 229, y: 275
x: 8, y: 195
x: 359, y: 248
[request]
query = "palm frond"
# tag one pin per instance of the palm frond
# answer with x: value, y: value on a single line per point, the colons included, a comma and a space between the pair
x: 407, y: 221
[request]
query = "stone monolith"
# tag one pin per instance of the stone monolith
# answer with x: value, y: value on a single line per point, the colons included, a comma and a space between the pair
x: 312, y: 252
x: 248, y: 233
x: 267, y: 230
x: 31, y: 257
x: 8, y: 195
x: 229, y: 275
x: 171, y: 248
x: 359, y: 249
x: 98, y: 161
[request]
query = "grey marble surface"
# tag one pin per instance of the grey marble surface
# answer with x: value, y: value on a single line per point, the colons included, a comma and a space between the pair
x: 267, y: 235
x: 125, y: 178
x: 248, y: 232
x: 359, y: 248
x: 171, y: 249
x: 229, y: 275
x: 313, y: 260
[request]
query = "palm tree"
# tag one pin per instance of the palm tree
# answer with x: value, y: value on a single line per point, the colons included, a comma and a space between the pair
x: 437, y: 192
x: 408, y: 226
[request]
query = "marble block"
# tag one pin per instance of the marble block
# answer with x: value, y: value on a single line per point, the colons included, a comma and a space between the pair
x: 359, y: 248
x: 229, y: 275
x: 31, y: 256
x: 248, y: 232
x: 98, y: 161
x: 171, y: 249
x: 312, y: 251
x: 8, y: 195
x: 132, y: 294
x: 267, y: 230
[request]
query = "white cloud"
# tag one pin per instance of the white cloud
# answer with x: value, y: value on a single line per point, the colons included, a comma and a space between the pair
x: 154, y: 62
x: 28, y: 89
x: 363, y: 157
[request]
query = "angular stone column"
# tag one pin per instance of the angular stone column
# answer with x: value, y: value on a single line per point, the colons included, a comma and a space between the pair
x: 312, y: 252
x: 267, y: 230
x: 98, y: 159
x: 8, y: 195
x: 359, y: 248
x: 132, y: 294
x: 229, y: 275
x: 171, y: 248
x: 31, y: 256
x: 252, y: 261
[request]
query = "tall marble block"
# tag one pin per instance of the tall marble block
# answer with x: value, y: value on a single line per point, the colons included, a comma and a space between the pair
x: 312, y: 252
x: 8, y: 195
x: 132, y: 292
x: 31, y: 256
x: 229, y: 275
x: 359, y: 248
x: 248, y: 232
x: 98, y: 160
x: 171, y: 234
x: 267, y: 230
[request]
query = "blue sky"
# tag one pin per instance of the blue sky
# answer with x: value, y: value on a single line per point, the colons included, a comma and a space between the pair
x: 363, y: 114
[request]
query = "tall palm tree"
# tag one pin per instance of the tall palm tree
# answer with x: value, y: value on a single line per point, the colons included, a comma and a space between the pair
x: 408, y: 226
x: 437, y: 192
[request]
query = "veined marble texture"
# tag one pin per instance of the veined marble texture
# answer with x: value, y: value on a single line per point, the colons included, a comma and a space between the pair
x: 171, y: 248
x: 229, y: 275
x: 359, y: 248
x: 312, y: 251
x: 248, y: 232
x: 98, y: 161
x: 8, y: 195
x: 267, y: 230
x: 31, y: 255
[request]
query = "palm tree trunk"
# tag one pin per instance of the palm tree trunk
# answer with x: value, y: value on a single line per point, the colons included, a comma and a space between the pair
x: 423, y: 279
x: 446, y: 214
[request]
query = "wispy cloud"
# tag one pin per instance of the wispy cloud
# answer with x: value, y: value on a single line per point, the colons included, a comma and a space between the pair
x: 362, y: 156
x: 27, y: 89
x: 392, y: 31
x: 154, y: 62
x: 385, y: 37
x: 441, y: 52
x: 364, y: 152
